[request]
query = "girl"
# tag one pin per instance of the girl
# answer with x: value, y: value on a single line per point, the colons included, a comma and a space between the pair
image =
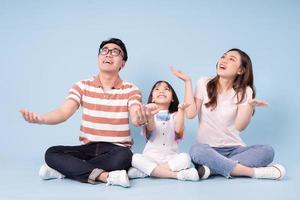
x: 164, y: 129
x: 225, y: 105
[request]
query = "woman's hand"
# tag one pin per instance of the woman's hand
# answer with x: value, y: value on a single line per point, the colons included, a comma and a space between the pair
x: 183, y: 106
x: 180, y: 74
x: 245, y: 113
x: 257, y: 102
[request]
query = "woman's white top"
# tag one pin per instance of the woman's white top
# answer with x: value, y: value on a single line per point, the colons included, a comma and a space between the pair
x: 217, y: 127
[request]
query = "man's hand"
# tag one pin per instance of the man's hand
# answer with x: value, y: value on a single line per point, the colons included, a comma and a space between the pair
x: 56, y: 116
x: 32, y: 117
x: 140, y: 114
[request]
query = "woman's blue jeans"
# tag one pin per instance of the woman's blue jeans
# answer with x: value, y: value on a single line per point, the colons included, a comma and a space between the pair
x: 223, y: 160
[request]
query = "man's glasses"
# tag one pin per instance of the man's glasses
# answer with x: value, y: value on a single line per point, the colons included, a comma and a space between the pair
x: 113, y: 52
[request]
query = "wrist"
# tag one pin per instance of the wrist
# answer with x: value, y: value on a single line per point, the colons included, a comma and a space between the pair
x: 251, y: 104
x: 180, y: 110
x: 42, y: 120
x: 150, y: 121
x: 189, y: 80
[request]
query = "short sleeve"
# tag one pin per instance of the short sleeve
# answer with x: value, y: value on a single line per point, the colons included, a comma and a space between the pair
x: 135, y: 96
x: 248, y: 96
x: 200, y: 89
x: 76, y: 92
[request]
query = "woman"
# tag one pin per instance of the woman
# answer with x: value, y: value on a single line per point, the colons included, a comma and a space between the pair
x: 225, y: 105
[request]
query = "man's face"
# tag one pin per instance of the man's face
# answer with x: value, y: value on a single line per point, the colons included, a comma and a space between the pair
x: 110, y: 58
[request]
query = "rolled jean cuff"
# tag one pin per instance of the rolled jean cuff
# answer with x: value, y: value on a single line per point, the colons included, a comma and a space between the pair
x: 230, y: 169
x: 94, y: 174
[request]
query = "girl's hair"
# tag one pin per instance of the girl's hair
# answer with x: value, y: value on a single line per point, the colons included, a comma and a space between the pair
x: 240, y: 83
x: 174, y: 103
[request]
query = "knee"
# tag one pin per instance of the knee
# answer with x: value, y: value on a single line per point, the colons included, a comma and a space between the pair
x: 180, y: 162
x: 136, y: 158
x: 125, y: 156
x: 50, y: 152
x: 268, y: 153
x: 185, y: 159
x: 122, y: 159
x: 198, y: 150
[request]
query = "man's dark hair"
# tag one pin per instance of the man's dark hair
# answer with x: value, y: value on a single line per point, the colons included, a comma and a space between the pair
x: 117, y: 42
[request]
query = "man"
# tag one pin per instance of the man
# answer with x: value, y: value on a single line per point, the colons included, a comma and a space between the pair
x: 107, y: 102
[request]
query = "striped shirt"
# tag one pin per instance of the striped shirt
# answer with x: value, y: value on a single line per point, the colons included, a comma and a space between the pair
x: 105, y: 116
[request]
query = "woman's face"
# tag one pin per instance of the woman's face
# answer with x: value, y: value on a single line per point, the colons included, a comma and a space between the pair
x: 229, y: 65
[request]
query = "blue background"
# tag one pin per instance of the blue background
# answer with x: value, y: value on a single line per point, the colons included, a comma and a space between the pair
x: 47, y: 46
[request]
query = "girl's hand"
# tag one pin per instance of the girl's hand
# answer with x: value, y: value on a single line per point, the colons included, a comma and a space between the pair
x: 257, y: 102
x: 183, y: 106
x: 151, y: 109
x: 32, y: 117
x: 180, y: 74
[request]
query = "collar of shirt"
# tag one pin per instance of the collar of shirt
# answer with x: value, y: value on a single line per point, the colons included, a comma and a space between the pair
x: 117, y: 84
x: 163, y: 115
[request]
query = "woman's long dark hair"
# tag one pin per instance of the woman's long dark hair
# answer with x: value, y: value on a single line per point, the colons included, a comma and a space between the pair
x: 240, y: 83
x: 174, y: 104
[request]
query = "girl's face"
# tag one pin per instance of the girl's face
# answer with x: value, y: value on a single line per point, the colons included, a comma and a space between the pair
x: 229, y: 65
x: 162, y: 94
